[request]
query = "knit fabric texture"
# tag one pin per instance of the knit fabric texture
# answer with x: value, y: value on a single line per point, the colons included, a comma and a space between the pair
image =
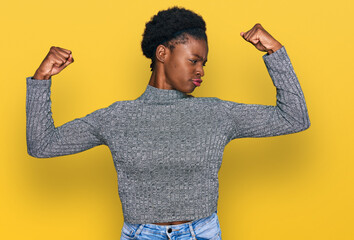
x: 167, y: 146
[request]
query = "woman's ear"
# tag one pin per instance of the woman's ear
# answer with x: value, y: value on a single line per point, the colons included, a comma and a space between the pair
x: 161, y: 53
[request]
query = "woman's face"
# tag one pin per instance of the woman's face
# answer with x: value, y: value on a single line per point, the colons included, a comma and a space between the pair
x: 185, y: 64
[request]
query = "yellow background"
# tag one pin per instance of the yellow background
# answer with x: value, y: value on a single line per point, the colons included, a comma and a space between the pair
x: 298, y: 186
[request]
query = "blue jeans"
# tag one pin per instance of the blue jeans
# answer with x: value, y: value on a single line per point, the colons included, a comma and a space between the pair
x: 207, y: 228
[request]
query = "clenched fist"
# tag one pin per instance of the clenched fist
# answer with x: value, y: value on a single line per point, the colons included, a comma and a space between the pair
x: 261, y: 39
x: 55, y: 61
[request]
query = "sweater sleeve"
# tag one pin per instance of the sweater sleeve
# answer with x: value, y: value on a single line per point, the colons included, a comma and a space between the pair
x: 44, y: 140
x: 290, y: 114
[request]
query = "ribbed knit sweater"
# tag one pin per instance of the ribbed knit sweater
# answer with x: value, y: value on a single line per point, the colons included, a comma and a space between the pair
x: 167, y: 146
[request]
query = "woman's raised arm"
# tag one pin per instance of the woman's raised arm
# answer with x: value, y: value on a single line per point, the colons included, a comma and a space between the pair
x: 43, y: 138
x: 290, y: 114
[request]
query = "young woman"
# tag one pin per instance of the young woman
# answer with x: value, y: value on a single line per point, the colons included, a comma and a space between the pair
x: 167, y: 145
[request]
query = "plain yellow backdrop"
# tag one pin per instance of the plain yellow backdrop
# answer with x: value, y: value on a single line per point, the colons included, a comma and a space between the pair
x: 297, y: 186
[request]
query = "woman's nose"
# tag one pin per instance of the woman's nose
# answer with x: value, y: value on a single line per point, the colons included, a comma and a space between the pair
x: 200, y: 71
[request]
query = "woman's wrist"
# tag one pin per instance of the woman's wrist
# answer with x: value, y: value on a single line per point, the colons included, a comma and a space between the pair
x: 275, y: 48
x: 39, y: 76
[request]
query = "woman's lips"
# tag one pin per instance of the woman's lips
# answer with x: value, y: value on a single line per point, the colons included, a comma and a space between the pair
x: 197, y: 82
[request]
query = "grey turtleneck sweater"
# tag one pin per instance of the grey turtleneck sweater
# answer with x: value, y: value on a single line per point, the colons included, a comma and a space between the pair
x: 167, y: 146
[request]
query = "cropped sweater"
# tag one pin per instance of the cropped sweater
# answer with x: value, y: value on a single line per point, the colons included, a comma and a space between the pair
x: 167, y: 146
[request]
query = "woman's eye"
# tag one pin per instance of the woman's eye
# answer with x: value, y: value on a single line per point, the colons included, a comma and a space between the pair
x: 193, y: 61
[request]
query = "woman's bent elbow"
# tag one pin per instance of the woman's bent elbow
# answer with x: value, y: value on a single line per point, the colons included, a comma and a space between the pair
x: 307, y: 125
x: 303, y: 126
x: 36, y: 152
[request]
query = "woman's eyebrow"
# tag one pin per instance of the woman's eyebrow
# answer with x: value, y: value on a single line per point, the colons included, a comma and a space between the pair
x: 196, y: 55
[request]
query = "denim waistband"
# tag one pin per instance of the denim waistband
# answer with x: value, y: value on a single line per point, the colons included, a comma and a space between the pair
x: 194, y: 224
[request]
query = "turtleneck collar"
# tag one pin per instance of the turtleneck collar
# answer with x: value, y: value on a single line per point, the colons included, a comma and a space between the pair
x: 153, y: 93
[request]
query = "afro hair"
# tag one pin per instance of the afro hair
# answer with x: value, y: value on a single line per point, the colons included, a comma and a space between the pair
x: 171, y: 24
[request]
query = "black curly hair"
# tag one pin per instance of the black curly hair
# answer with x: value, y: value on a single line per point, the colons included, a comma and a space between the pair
x: 170, y: 27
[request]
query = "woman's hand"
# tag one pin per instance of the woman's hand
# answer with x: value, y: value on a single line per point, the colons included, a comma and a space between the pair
x: 261, y: 39
x: 55, y: 61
